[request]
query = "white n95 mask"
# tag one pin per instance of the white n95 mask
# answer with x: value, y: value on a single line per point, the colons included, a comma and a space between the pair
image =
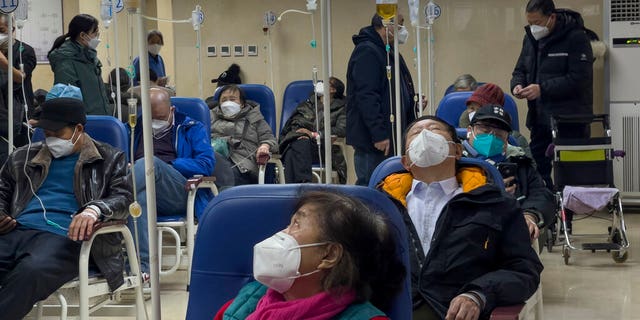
x: 93, y: 43
x: 276, y: 261
x: 428, y: 149
x: 61, y: 147
x: 230, y: 108
x: 154, y: 49
x: 403, y: 34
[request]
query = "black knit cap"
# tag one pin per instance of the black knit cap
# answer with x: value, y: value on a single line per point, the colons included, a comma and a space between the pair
x: 61, y: 112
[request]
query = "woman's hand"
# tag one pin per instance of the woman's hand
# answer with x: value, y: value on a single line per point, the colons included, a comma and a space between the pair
x: 262, y: 150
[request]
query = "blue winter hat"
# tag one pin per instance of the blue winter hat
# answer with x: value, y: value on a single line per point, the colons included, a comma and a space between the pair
x: 61, y: 90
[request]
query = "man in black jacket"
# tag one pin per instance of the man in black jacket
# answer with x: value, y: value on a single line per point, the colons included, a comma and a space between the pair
x: 469, y: 247
x: 487, y: 138
x: 369, y: 109
x: 554, y: 73
x: 51, y: 194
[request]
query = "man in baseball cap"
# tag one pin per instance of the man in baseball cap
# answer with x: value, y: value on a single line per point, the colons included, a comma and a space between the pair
x: 488, y: 137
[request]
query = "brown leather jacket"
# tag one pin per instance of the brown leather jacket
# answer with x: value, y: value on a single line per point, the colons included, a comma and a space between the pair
x: 100, y: 179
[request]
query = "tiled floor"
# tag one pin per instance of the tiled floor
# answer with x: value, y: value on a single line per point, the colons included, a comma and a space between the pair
x: 592, y: 286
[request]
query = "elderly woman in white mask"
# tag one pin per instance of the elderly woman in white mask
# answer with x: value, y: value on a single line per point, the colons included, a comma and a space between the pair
x: 240, y: 135
x: 335, y: 260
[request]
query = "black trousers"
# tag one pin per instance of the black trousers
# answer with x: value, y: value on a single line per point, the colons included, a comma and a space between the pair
x: 33, y: 265
x: 301, y: 154
x: 298, y: 159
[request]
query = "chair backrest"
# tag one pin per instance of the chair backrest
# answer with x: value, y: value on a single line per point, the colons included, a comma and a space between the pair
x: 452, y: 106
x: 512, y: 109
x: 394, y: 165
x: 195, y: 108
x: 262, y: 95
x: 223, y: 256
x: 106, y: 129
x: 295, y: 93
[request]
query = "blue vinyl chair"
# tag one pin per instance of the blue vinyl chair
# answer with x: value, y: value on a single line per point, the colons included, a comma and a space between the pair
x: 195, y: 108
x: 512, y: 109
x: 295, y: 93
x: 263, y: 96
x: 452, y: 106
x: 394, y: 165
x: 223, y: 258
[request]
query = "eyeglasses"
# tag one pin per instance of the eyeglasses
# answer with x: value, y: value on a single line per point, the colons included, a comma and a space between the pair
x: 481, y: 127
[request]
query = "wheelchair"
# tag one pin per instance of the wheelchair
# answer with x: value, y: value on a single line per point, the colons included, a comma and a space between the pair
x: 584, y: 186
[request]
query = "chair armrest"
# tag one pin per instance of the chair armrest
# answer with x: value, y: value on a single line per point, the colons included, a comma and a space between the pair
x: 200, y: 182
x: 507, y: 313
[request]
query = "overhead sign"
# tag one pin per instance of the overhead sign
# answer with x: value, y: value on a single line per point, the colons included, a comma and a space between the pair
x: 9, y: 6
x: 432, y: 11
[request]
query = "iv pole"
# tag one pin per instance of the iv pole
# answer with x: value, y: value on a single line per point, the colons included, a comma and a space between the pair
x: 135, y: 8
x: 326, y: 99
x: 432, y: 13
x: 398, y: 90
x: 10, y: 84
x: 414, y: 7
x: 117, y: 60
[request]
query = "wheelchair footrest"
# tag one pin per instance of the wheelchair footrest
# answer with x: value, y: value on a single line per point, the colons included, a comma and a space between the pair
x: 601, y: 246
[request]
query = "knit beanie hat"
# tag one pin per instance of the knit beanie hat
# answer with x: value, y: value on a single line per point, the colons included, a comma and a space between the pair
x: 487, y: 94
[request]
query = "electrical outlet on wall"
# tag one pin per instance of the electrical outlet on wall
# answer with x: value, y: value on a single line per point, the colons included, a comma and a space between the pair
x: 225, y: 50
x: 211, y: 51
x: 252, y: 50
x: 238, y: 50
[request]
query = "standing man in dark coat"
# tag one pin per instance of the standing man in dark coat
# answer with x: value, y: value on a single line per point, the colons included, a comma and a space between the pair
x: 371, y: 103
x: 554, y: 73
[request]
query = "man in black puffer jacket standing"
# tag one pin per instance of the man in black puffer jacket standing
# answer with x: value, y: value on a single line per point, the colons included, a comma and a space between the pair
x: 554, y: 73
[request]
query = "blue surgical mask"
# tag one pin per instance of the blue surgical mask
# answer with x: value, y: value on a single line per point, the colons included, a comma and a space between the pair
x: 488, y: 145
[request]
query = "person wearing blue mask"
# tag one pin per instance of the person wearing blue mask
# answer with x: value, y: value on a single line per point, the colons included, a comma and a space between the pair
x: 487, y: 138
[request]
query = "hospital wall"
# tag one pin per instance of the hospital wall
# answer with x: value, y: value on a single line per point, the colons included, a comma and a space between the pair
x: 480, y: 37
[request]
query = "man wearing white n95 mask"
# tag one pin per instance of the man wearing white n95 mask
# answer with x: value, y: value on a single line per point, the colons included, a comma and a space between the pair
x: 51, y: 195
x: 471, y: 249
x: 181, y: 150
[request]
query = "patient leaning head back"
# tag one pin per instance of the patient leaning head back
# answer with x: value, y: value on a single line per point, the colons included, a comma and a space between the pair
x: 334, y: 254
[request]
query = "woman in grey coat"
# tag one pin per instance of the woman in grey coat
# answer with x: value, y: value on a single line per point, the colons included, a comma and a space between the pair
x: 240, y: 135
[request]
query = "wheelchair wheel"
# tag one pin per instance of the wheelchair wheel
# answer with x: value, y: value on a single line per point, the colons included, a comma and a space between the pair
x: 619, y: 257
